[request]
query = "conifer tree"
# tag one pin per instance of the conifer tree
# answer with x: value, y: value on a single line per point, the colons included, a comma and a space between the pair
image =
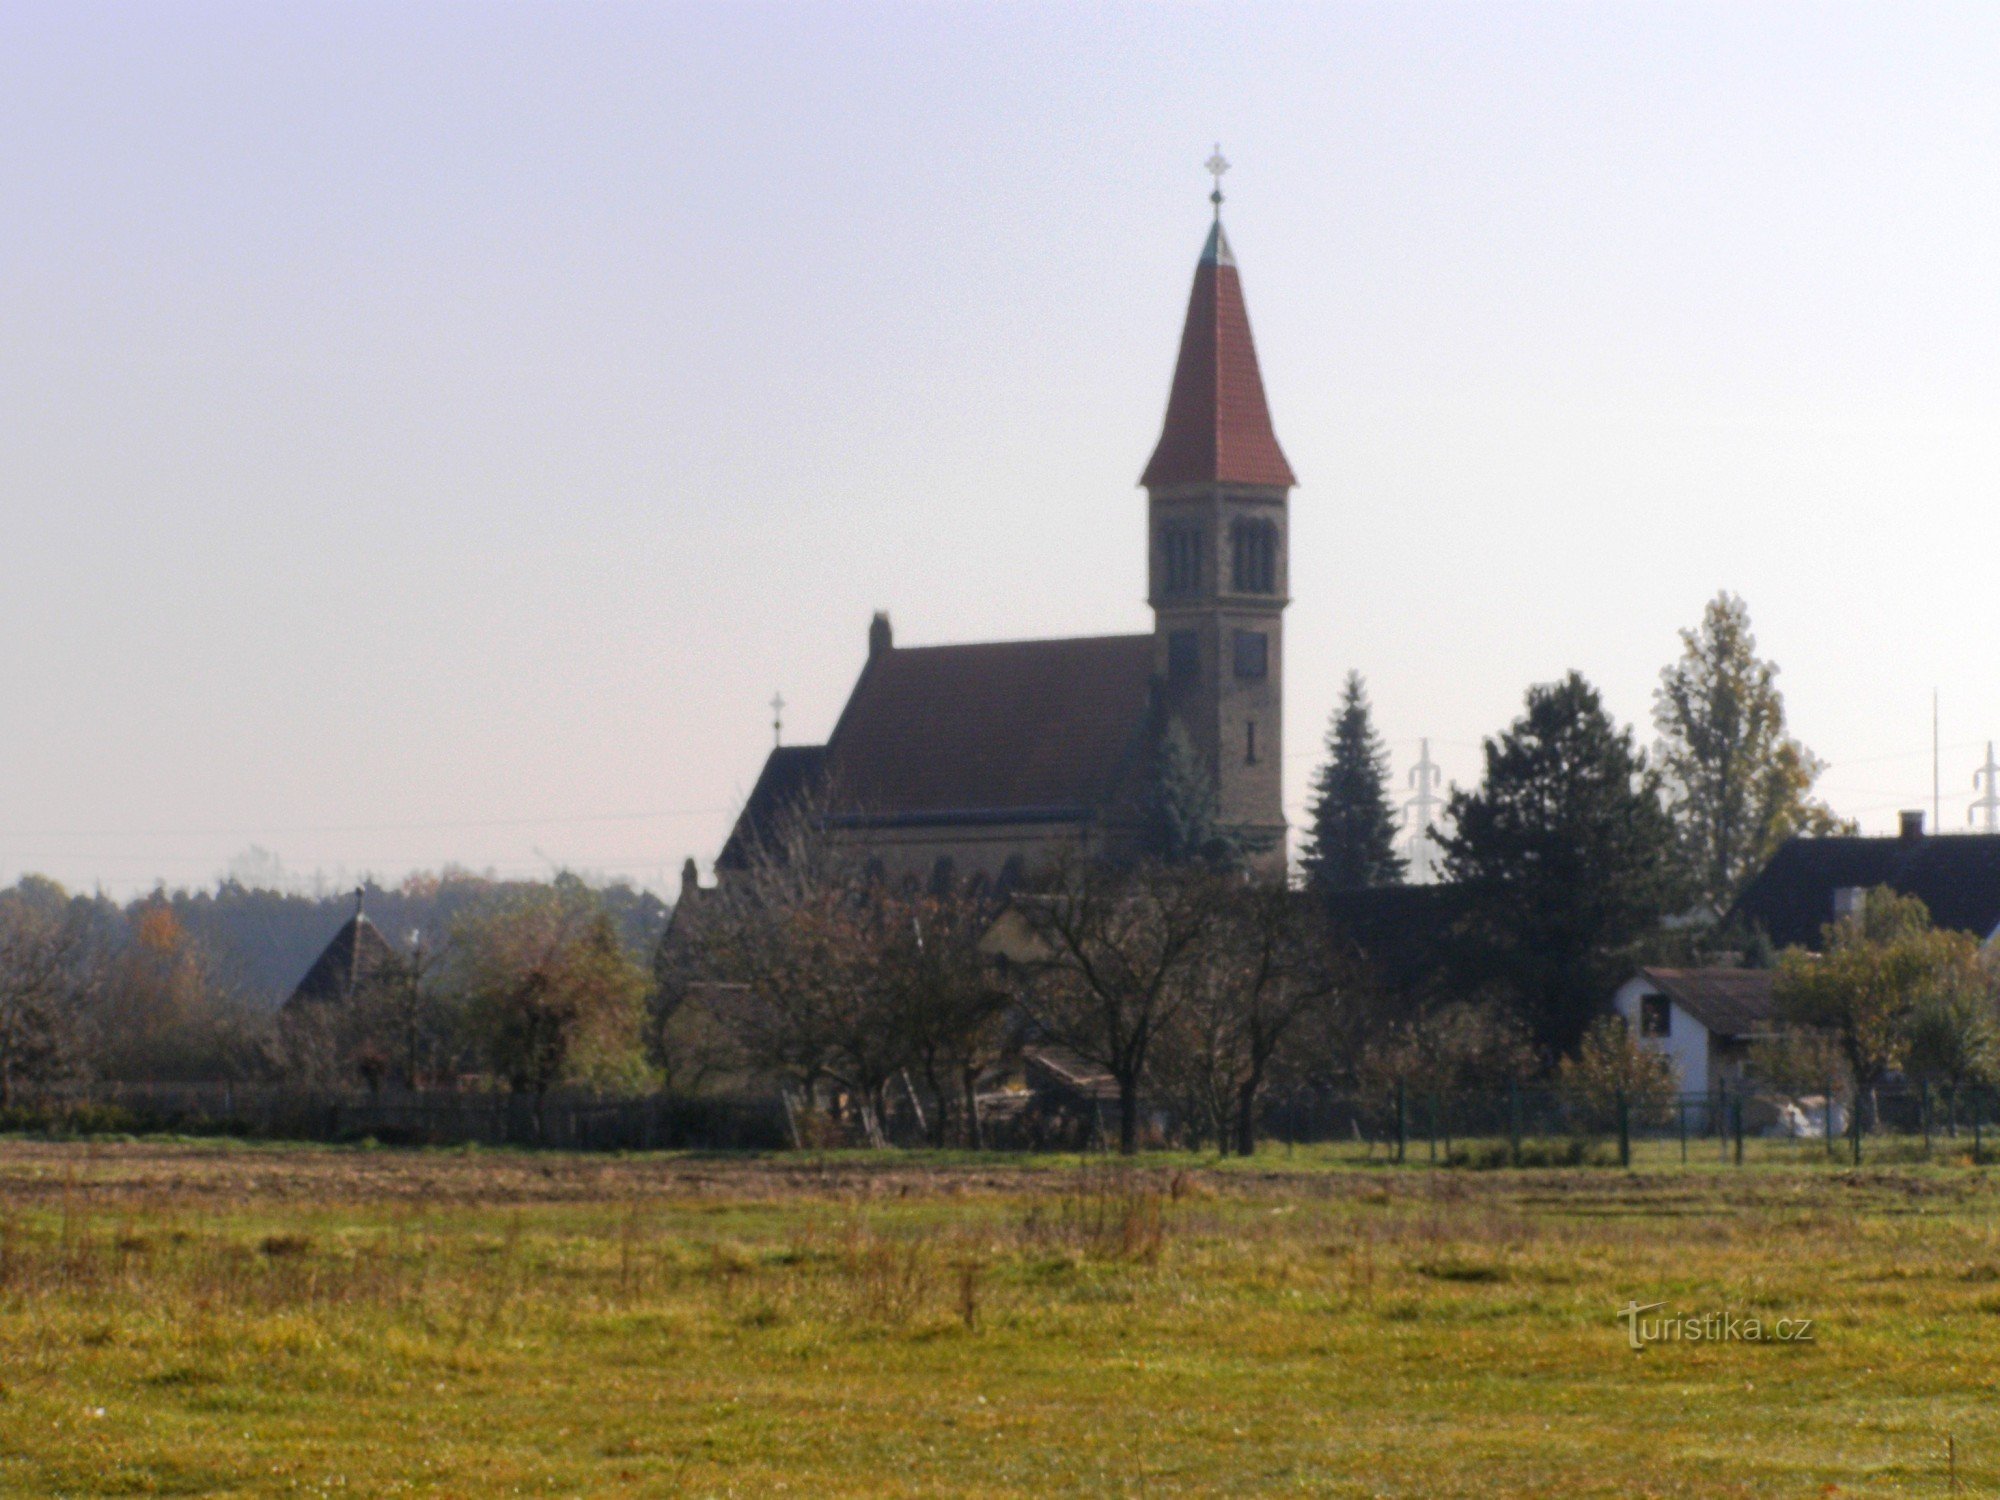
x: 1565, y: 854
x: 1182, y: 824
x: 1352, y: 840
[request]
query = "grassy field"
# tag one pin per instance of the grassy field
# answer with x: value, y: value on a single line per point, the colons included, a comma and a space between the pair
x: 238, y: 1320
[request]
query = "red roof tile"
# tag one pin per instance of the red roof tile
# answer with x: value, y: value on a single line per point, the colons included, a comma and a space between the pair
x: 1218, y: 427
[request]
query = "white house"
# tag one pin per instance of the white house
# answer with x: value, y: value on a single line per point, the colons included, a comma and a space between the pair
x: 1703, y: 1019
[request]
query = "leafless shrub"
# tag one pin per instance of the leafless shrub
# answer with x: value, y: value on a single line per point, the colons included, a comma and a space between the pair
x: 1111, y: 1213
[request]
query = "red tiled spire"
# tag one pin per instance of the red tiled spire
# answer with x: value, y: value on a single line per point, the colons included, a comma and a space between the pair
x: 1218, y: 428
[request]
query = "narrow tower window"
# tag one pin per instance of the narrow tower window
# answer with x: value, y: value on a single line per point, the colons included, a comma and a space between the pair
x: 1252, y: 650
x: 1250, y: 743
x: 1253, y: 563
x: 1180, y: 558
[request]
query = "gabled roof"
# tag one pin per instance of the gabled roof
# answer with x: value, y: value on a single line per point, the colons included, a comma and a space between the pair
x: 789, y: 771
x: 1218, y: 427
x: 1957, y: 876
x: 1007, y: 731
x: 1729, y: 1002
x: 356, y: 955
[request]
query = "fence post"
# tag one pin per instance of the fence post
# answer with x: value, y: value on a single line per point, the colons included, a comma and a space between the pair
x: 1624, y: 1131
x: 1736, y: 1121
x: 1402, y: 1123
x: 1514, y: 1120
x: 1681, y: 1120
x: 1432, y: 1127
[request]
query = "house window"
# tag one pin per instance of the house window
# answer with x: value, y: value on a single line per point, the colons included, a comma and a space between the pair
x: 1180, y: 558
x: 1253, y: 654
x: 1656, y: 1015
x: 1253, y: 553
x: 1183, y: 656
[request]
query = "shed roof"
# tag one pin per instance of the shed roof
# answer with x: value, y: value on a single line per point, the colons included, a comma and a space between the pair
x: 1729, y: 1002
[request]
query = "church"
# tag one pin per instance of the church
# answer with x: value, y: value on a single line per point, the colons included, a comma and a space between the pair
x: 987, y: 759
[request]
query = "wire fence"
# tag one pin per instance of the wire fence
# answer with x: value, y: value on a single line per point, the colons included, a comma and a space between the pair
x: 1516, y: 1126
x: 1522, y: 1126
x: 566, y: 1120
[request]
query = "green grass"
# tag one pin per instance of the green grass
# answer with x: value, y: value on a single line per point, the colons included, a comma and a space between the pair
x: 222, y: 1319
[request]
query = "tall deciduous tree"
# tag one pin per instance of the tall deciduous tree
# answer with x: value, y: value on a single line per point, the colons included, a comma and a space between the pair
x: 1352, y: 840
x: 550, y: 991
x: 1566, y: 853
x: 1737, y: 784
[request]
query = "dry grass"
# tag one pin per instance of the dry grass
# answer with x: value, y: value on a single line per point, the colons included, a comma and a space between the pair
x: 228, y: 1320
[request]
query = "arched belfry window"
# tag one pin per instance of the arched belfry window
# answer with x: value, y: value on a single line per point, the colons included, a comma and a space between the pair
x: 1253, y: 557
x: 1180, y: 558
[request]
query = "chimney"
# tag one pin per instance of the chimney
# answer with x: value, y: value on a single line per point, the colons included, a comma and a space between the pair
x: 690, y: 880
x: 1913, y: 823
x: 880, y: 638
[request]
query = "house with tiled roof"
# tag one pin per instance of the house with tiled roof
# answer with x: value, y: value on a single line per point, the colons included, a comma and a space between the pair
x: 1703, y: 1020
x: 1812, y: 882
x: 992, y: 756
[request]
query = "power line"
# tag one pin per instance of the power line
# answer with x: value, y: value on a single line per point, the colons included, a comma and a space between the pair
x: 263, y: 829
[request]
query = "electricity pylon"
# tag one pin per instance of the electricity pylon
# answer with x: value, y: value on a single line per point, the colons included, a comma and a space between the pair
x: 1988, y: 776
x: 1420, y: 817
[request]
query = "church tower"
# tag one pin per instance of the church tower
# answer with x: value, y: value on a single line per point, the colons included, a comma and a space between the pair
x: 1217, y: 489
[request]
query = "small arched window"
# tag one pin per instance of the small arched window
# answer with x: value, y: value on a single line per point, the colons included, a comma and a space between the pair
x: 1253, y: 562
x: 1180, y: 558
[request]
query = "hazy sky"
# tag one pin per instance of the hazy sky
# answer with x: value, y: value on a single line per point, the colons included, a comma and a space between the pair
x: 432, y: 433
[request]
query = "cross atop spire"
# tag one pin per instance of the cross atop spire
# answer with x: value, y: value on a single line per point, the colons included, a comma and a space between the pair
x: 1215, y: 166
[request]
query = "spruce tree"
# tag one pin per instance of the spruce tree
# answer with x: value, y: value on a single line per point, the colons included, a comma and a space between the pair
x: 1182, y: 824
x: 1352, y: 840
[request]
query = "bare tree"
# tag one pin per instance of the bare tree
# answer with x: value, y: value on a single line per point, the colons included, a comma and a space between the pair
x: 957, y: 1023
x: 1116, y: 957
x: 791, y: 948
x: 1263, y: 968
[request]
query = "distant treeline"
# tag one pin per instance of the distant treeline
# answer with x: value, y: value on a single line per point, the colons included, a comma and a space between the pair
x: 262, y: 941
